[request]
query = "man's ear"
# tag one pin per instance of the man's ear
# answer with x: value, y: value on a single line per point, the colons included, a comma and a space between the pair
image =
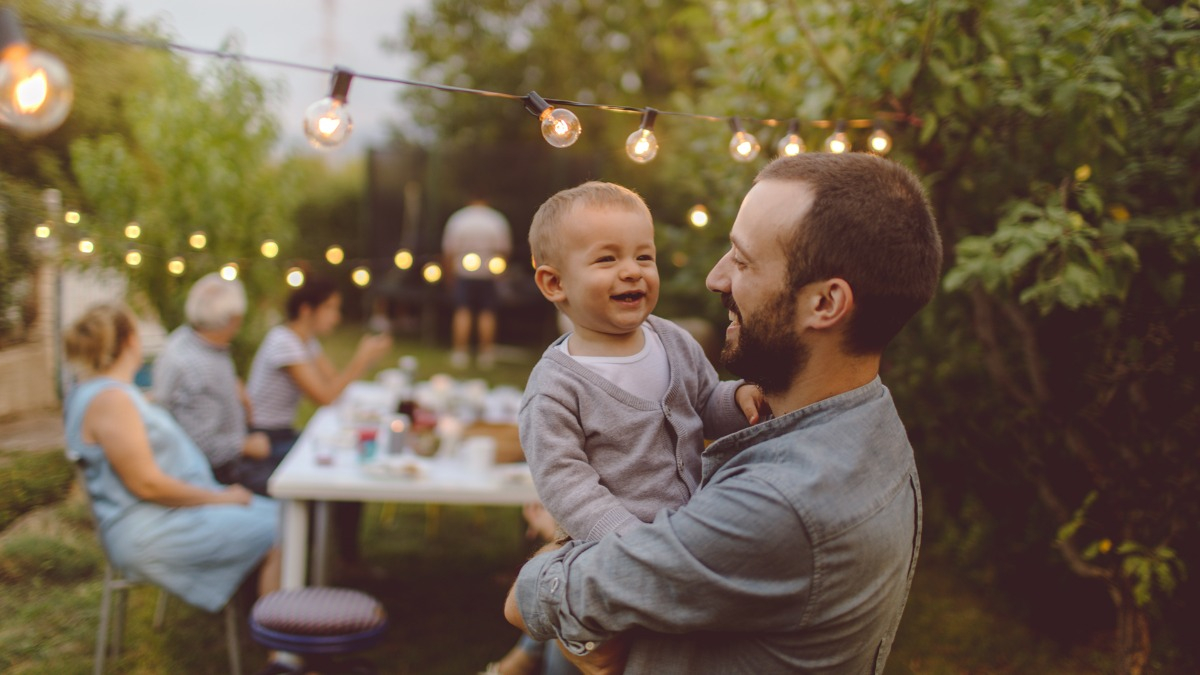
x: 549, y: 282
x: 830, y: 303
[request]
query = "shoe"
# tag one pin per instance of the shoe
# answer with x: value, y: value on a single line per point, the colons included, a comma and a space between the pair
x: 459, y: 360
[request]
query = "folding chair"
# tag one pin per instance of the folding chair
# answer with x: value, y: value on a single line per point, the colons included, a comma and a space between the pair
x: 113, y: 601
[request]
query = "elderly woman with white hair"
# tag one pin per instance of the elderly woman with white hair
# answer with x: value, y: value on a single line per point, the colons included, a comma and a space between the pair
x: 194, y: 378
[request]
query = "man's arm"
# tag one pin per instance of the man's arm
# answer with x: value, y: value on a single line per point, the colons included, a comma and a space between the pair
x: 190, y: 398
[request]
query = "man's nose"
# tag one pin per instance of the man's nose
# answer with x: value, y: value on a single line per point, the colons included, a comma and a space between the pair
x: 717, y: 280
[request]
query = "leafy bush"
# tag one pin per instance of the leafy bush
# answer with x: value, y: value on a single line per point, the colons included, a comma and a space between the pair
x: 28, y: 556
x: 29, y: 480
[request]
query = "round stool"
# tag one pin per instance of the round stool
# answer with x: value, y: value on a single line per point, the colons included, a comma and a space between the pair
x: 319, y: 624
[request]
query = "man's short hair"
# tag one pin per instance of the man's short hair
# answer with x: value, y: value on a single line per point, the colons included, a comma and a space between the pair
x: 870, y: 224
x: 545, y: 232
x: 213, y: 302
x: 315, y: 291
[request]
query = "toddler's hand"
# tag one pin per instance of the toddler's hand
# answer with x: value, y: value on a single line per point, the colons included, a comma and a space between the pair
x: 750, y: 399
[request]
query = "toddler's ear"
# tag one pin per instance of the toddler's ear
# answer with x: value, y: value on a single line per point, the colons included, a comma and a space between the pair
x: 549, y: 282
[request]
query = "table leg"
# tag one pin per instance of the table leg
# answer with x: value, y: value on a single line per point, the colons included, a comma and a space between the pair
x: 320, y: 544
x: 295, y: 543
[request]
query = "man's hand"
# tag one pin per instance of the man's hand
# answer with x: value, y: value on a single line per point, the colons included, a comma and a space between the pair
x: 607, y: 659
x: 256, y: 446
x: 511, y: 611
x: 750, y: 399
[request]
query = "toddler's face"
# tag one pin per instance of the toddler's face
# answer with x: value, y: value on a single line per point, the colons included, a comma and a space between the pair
x: 608, y: 271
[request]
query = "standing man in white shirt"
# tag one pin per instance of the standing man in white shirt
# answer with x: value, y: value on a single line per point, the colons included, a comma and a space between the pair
x: 474, y: 236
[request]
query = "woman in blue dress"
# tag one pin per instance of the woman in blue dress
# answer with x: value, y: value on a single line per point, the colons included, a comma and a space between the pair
x: 162, y: 516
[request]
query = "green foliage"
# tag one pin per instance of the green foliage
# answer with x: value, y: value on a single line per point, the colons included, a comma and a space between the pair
x: 31, y: 479
x: 27, y: 558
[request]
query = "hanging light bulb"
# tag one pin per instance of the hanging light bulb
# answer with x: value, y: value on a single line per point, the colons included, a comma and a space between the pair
x: 327, y: 122
x: 176, y: 266
x: 471, y: 262
x: 497, y: 265
x: 197, y: 240
x: 403, y: 259
x: 743, y: 146
x: 229, y: 271
x: 642, y: 146
x: 838, y: 142
x: 294, y: 277
x: 86, y: 245
x: 71, y: 217
x: 361, y: 276
x: 133, y: 257
x: 42, y: 231
x: 35, y: 87
x: 432, y: 273
x: 335, y: 255
x: 698, y: 215
x: 560, y: 127
x: 791, y: 144
x: 269, y: 248
x: 133, y: 230
x: 879, y: 141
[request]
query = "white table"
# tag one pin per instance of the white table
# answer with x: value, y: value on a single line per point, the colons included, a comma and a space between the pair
x: 300, y: 480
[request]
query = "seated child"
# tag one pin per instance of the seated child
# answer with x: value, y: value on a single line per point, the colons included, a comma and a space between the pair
x: 616, y: 412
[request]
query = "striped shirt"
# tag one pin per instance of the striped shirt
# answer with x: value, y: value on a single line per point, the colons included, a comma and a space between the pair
x: 196, y: 382
x: 272, y: 391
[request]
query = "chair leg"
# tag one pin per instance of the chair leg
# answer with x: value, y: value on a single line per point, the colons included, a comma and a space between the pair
x: 160, y: 610
x: 102, y: 632
x: 231, y: 638
x: 120, y: 603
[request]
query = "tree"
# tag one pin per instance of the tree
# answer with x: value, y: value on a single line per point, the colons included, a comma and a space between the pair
x: 1062, y: 361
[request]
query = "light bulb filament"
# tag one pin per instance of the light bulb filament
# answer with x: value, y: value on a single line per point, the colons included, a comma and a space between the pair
x: 328, y: 125
x: 31, y: 92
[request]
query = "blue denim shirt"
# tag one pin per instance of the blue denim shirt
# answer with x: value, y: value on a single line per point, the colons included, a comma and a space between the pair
x: 795, y: 555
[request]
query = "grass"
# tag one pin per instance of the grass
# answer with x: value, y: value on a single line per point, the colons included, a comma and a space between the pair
x: 446, y: 570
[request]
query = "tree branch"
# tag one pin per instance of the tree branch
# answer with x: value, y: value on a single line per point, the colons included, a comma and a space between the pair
x: 985, y: 329
x: 819, y: 55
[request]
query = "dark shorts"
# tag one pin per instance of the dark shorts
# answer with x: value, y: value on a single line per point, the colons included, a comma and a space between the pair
x: 477, y: 295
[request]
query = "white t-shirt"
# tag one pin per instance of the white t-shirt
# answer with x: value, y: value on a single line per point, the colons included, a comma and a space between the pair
x: 644, y: 374
x: 476, y: 229
x: 272, y: 391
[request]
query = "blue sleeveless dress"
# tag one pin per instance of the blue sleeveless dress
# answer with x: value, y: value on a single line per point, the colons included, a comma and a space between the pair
x: 199, y: 553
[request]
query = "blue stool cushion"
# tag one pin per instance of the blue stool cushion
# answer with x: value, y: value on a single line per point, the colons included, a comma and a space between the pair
x: 318, y: 611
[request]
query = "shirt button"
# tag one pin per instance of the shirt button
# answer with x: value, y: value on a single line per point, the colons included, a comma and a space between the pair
x: 589, y: 645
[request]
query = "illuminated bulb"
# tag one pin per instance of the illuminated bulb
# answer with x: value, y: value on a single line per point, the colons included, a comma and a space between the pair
x: 432, y: 273
x: 229, y: 271
x: 838, y: 142
x: 197, y: 240
x: 403, y: 259
x: 133, y: 257
x: 471, y: 262
x: 361, y: 276
x: 176, y: 266
x: 42, y: 232
x: 86, y: 245
x: 791, y: 144
x: 133, y: 231
x: 744, y: 147
x: 294, y: 277
x: 335, y: 255
x: 327, y: 122
x: 642, y: 146
x: 698, y: 215
x: 269, y: 248
x: 71, y: 217
x: 35, y: 87
x: 560, y: 127
x: 879, y: 141
x: 497, y: 265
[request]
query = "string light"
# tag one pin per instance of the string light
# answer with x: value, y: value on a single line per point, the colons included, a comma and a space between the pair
x: 133, y: 231
x: 497, y: 265
x: 327, y: 122
x: 229, y: 271
x: 698, y: 215
x: 560, y: 127
x: 71, y: 217
x: 642, y: 146
x: 743, y: 146
x: 403, y: 259
x: 335, y: 255
x: 42, y: 231
x: 176, y: 266
x: 361, y: 276
x: 35, y: 87
x: 471, y: 262
x: 269, y: 248
x: 432, y: 272
x: 133, y: 257
x: 791, y: 144
x: 86, y: 246
x: 294, y: 277
x: 197, y: 240
x: 837, y: 143
x: 879, y: 141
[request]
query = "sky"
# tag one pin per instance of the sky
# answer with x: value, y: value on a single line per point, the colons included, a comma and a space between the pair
x: 321, y: 33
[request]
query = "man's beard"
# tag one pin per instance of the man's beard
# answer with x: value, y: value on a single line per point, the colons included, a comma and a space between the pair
x: 768, y: 351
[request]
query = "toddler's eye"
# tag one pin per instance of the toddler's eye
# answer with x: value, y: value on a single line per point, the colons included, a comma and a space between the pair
x: 605, y: 258
x: 647, y: 258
